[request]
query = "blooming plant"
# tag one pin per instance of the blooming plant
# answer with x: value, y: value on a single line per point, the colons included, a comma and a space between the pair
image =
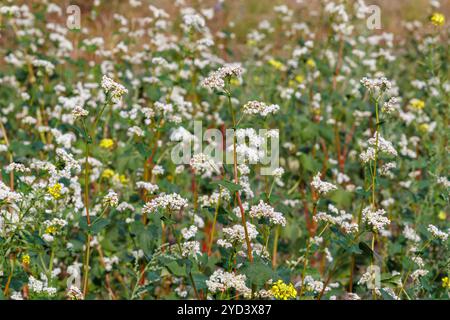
x: 94, y: 206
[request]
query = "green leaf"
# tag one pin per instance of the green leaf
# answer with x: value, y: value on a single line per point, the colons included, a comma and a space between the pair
x: 258, y: 272
x: 232, y: 187
x: 98, y: 225
x: 176, y: 269
x: 365, y: 249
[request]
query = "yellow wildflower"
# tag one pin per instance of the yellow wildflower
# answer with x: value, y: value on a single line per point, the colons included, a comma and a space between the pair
x: 299, y: 78
x: 107, y: 173
x: 26, y: 259
x: 276, y: 64
x: 51, y: 230
x: 123, y: 179
x: 106, y: 143
x: 55, y: 190
x: 282, y: 291
x: 442, y: 215
x: 445, y: 283
x: 424, y: 127
x: 438, y: 19
x: 311, y: 63
x: 417, y: 104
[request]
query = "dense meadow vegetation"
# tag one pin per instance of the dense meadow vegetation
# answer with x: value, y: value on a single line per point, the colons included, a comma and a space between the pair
x: 93, y: 205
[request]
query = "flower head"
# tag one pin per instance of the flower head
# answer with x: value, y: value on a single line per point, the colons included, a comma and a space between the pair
x: 283, y: 291
x: 438, y: 19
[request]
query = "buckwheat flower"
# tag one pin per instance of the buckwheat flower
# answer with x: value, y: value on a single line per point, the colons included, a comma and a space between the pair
x: 236, y: 234
x: 79, y: 112
x: 7, y: 195
x: 190, y: 249
x: 216, y: 80
x: 16, y: 167
x: 418, y: 274
x: 203, y: 164
x: 135, y: 131
x: 315, y: 286
x: 384, y: 145
x: 381, y: 84
x: 221, y: 281
x: 16, y: 295
x: 352, y: 296
x: 193, y: 20
x: 74, y: 293
x: 410, y: 234
x: 390, y: 105
x: 435, y: 232
x: 158, y: 170
x: 170, y: 202
x: 370, y: 278
x: 385, y: 170
x: 115, y: 89
x: 321, y: 186
x: 189, y: 233
x: 150, y: 187
x: 263, y: 210
x: 111, y: 199
x: 443, y: 181
x: 340, y: 218
x: 257, y: 107
x: 438, y: 19
x: 278, y: 172
x: 47, y: 65
x: 375, y: 219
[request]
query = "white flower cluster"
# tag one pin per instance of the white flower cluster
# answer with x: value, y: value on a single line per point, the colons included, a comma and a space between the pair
x: 321, y: 186
x: 7, y: 195
x: 203, y: 165
x: 170, y: 202
x: 257, y: 107
x: 410, y: 234
x: 236, y: 234
x: 16, y: 167
x: 220, y: 281
x: 189, y: 233
x: 315, y: 286
x: 211, y: 201
x: 263, y: 210
x: 115, y: 89
x: 150, y: 187
x: 79, y: 112
x: 390, y: 106
x: 111, y: 199
x: 376, y: 219
x: 40, y: 287
x: 342, y: 219
x: 370, y: 278
x: 190, y: 249
x: 381, y: 84
x: 74, y: 293
x: 443, y: 181
x: 437, y: 233
x: 216, y: 79
x: 384, y: 146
